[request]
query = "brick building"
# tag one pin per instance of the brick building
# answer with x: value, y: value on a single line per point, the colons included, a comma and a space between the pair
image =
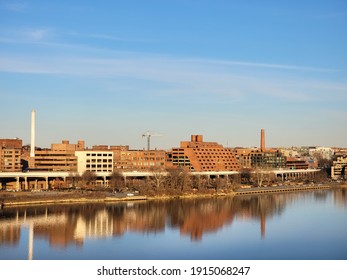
x: 262, y: 157
x: 10, y: 155
x: 256, y: 158
x: 125, y: 159
x: 296, y: 163
x: 60, y: 157
x: 197, y: 155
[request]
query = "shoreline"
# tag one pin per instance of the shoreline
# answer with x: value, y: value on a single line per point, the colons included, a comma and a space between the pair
x: 55, y: 198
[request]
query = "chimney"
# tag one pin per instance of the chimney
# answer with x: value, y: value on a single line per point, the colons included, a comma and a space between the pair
x: 32, y: 144
x: 196, y: 138
x: 262, y: 140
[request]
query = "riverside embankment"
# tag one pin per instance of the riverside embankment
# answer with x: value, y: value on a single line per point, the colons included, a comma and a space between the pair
x: 14, y: 199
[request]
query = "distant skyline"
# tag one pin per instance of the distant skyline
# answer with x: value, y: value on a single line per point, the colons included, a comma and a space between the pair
x: 107, y: 72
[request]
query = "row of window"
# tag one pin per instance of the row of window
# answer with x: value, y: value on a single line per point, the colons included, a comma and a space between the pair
x: 99, y: 166
x: 99, y: 160
x: 100, y: 155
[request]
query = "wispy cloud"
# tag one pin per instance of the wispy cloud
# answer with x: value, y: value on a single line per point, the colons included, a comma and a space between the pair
x: 15, y: 7
x: 178, y: 76
x: 275, y: 66
x: 36, y: 34
x: 106, y: 37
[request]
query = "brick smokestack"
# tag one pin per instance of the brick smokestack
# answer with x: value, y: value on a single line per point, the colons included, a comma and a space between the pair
x: 262, y: 140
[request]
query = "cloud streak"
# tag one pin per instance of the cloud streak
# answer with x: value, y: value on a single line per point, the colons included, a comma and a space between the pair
x: 178, y: 77
x: 174, y: 75
x: 15, y: 7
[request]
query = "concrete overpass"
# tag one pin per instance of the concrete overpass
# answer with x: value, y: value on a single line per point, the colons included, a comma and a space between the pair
x: 42, y: 179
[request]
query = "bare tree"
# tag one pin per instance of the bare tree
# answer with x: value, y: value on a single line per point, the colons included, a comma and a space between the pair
x: 116, y: 181
x: 258, y: 175
x: 245, y: 176
x: 158, y: 177
x: 178, y: 179
x: 89, y: 178
x: 75, y: 179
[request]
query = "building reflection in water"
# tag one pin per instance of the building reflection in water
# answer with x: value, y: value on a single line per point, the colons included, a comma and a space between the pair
x: 71, y: 225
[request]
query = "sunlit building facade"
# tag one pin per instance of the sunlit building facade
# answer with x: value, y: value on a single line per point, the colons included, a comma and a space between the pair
x: 10, y: 155
x: 197, y: 155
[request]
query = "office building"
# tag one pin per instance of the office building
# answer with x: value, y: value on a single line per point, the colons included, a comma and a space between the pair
x: 10, y: 155
x: 60, y: 157
x: 197, y: 155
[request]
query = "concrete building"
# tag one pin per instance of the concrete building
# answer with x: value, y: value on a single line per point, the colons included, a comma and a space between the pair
x: 338, y: 170
x: 197, y: 155
x: 321, y: 152
x: 94, y: 161
x: 10, y: 155
x: 60, y: 157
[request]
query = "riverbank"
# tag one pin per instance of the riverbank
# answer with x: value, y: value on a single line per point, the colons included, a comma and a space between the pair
x: 14, y: 199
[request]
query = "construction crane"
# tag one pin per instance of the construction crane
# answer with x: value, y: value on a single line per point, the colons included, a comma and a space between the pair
x: 149, y: 134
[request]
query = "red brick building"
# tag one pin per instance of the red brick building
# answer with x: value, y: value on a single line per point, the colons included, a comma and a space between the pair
x: 60, y: 157
x: 125, y: 159
x: 10, y: 155
x: 197, y: 155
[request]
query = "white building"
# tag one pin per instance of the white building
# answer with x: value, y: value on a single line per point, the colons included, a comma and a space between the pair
x: 324, y: 152
x: 95, y: 161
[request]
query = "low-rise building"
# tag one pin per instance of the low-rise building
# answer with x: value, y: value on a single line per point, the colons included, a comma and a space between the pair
x: 256, y: 158
x: 126, y: 159
x: 10, y: 155
x: 338, y: 170
x: 322, y: 152
x: 60, y: 157
x: 94, y: 161
x: 296, y: 163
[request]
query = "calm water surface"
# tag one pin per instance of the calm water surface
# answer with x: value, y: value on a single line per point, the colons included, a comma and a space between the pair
x: 303, y: 225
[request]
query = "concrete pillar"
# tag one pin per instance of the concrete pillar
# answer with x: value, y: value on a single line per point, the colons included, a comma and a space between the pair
x: 26, y: 183
x: 17, y: 184
x: 47, y: 183
x: 35, y: 184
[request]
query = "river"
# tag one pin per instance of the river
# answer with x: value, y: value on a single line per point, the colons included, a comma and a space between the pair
x: 299, y: 225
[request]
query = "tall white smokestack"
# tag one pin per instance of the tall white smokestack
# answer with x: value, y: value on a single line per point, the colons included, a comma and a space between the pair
x: 32, y: 145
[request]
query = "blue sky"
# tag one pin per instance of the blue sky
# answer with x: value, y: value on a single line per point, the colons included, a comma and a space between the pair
x: 108, y: 71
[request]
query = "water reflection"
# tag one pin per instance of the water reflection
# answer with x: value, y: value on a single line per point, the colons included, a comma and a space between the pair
x: 71, y: 225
